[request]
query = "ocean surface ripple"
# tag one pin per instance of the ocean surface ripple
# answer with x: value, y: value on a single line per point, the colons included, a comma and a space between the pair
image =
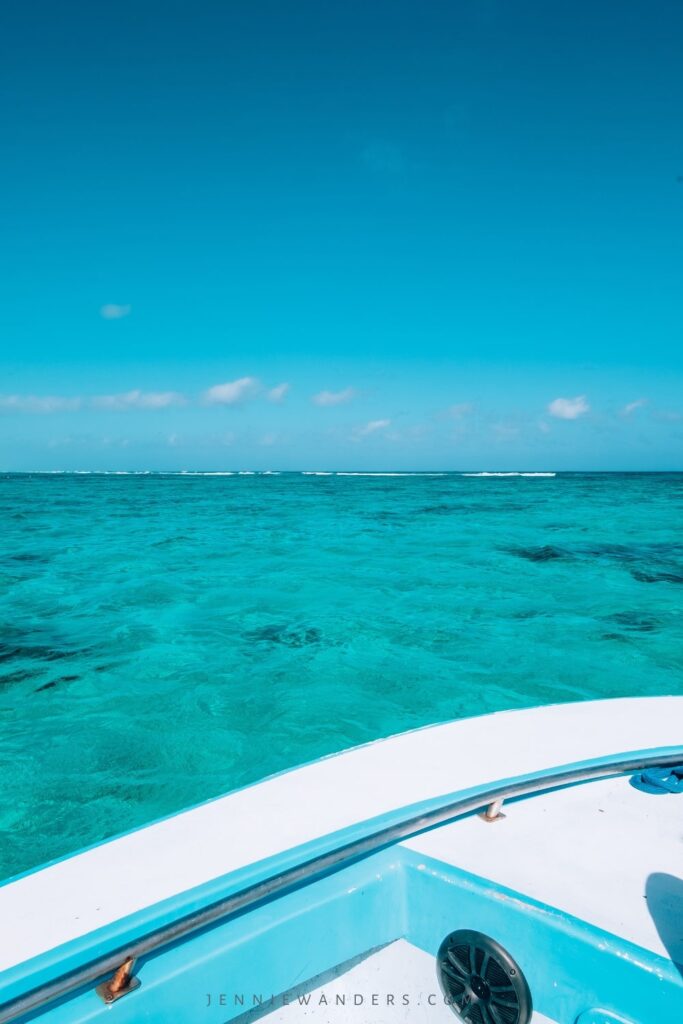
x: 167, y: 637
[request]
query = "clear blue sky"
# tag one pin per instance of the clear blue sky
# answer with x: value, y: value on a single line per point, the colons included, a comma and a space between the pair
x: 431, y: 220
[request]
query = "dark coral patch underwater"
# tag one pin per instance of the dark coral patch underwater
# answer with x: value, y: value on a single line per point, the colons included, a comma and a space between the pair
x: 287, y: 636
x: 634, y: 622
x: 657, y: 577
x: 544, y: 553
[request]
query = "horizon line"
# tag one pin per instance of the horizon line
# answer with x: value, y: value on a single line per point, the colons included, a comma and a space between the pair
x: 330, y: 472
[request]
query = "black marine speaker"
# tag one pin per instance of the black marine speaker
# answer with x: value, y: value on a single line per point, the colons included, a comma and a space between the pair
x: 481, y: 981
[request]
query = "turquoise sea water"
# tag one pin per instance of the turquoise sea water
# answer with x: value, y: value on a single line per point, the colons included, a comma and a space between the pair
x: 165, y: 638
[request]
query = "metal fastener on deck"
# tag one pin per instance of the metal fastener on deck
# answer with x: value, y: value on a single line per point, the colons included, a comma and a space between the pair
x: 120, y: 984
x: 493, y: 812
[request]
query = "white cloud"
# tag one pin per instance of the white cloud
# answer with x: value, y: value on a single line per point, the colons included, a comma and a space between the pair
x: 232, y: 391
x: 632, y: 407
x: 460, y: 410
x: 371, y: 428
x: 569, y: 408
x: 278, y: 393
x: 139, y: 400
x: 113, y: 311
x: 115, y: 442
x: 39, y: 403
x: 543, y: 427
x: 269, y: 439
x: 334, y: 397
x: 505, y: 431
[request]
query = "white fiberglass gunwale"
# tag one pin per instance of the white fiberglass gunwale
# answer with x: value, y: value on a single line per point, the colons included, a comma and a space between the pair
x: 109, y: 882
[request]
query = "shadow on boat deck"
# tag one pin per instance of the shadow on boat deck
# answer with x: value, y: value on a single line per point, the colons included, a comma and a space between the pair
x: 664, y: 895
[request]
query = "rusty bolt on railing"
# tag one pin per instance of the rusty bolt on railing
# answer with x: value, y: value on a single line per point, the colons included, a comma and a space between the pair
x: 120, y: 984
x: 493, y: 812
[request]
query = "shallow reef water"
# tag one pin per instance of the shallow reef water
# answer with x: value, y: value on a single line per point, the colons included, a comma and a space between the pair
x: 165, y: 638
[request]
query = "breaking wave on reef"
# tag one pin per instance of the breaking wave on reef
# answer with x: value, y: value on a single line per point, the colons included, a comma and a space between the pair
x: 508, y: 474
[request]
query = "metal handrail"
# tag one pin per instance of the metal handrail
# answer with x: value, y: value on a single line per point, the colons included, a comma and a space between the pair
x: 311, y: 870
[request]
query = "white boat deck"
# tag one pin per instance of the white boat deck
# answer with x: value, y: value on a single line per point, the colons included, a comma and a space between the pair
x: 602, y: 851
x: 80, y: 894
x: 368, y: 993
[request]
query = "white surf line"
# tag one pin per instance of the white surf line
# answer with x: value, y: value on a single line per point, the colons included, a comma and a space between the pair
x: 390, y: 474
x: 508, y: 474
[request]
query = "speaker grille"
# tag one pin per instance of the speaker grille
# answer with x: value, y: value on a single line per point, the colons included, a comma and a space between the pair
x: 481, y: 981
